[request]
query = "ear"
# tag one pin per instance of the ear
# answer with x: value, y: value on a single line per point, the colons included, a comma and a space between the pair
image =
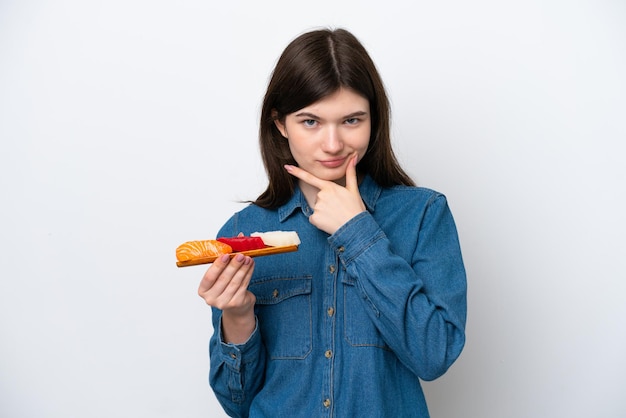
x: 279, y: 124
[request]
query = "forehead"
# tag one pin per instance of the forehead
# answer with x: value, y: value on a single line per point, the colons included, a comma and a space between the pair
x: 342, y: 102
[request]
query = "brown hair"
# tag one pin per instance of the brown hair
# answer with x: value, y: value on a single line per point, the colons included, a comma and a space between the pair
x: 313, y: 66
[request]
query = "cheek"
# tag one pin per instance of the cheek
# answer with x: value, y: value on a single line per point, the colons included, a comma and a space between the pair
x: 296, y: 149
x: 300, y: 142
x: 364, y: 144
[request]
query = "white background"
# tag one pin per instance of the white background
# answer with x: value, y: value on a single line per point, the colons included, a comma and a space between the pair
x: 128, y: 127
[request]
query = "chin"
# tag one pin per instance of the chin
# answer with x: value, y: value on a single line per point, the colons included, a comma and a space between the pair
x: 336, y: 179
x: 329, y: 173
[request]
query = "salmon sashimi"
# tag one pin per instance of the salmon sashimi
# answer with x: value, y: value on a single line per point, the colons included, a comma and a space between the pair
x: 191, y: 250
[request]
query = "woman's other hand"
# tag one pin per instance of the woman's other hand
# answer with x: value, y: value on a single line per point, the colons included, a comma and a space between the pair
x: 334, y: 204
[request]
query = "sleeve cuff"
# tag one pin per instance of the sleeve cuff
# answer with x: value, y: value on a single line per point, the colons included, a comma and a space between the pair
x: 355, y: 237
x: 234, y: 355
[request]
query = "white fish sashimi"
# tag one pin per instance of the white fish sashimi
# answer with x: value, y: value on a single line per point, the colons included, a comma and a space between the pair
x: 278, y: 238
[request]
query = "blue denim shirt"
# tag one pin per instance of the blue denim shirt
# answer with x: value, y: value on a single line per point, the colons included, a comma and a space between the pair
x: 349, y: 324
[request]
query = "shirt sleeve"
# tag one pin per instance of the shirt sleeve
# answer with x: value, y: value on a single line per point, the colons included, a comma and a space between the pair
x: 236, y: 370
x: 419, y: 304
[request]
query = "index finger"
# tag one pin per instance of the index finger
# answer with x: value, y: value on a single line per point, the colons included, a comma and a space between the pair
x: 352, y: 182
x: 305, y: 176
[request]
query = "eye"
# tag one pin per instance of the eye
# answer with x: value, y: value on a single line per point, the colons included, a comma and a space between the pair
x: 309, y: 123
x: 352, y: 121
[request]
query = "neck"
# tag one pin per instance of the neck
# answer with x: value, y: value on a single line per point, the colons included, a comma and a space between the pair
x: 309, y: 192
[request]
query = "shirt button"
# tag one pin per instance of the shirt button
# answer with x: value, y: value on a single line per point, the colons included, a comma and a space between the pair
x: 341, y: 249
x: 330, y: 311
x: 233, y: 356
x: 327, y: 403
x: 331, y: 268
x: 328, y: 354
x: 275, y: 293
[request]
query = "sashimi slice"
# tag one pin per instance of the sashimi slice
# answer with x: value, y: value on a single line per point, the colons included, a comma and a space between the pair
x: 278, y: 238
x: 243, y: 243
x: 199, y: 249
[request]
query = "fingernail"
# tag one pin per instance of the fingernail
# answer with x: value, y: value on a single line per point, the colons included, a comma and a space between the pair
x: 240, y: 257
x: 288, y: 167
x: 224, y: 258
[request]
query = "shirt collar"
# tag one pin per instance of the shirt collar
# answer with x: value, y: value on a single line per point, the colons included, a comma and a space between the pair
x: 369, y: 189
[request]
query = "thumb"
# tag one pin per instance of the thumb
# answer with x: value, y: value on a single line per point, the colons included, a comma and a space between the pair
x: 352, y: 183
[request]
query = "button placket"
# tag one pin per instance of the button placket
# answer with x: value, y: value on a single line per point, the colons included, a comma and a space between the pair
x: 331, y: 261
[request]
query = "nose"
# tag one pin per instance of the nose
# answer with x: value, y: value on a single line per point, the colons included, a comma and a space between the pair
x: 332, y: 142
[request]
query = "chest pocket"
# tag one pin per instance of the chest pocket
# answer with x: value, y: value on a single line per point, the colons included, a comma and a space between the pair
x: 283, y: 306
x: 359, y: 329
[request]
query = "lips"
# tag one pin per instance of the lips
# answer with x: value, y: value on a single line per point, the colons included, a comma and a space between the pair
x: 333, y: 163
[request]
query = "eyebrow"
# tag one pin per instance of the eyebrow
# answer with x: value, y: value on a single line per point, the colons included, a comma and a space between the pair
x: 313, y: 116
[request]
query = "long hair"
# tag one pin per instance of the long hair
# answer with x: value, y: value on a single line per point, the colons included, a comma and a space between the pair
x: 313, y: 66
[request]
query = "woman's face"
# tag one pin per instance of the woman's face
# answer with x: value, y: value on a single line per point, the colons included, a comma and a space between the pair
x: 323, y: 136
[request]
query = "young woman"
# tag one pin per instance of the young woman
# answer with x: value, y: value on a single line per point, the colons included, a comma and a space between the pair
x: 375, y: 298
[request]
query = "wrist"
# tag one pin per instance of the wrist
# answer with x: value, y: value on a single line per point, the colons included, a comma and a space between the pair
x: 237, y: 327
